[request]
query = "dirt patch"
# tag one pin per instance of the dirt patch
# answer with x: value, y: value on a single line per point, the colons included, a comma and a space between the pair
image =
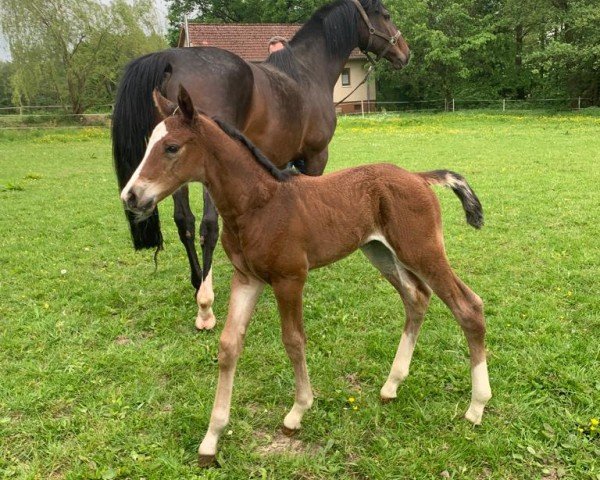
x: 353, y: 382
x: 123, y: 340
x: 280, y: 443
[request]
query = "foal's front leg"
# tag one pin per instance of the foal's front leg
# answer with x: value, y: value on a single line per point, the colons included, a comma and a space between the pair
x: 289, y: 300
x: 245, y: 292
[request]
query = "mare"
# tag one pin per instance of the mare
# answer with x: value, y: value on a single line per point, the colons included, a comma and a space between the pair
x: 390, y: 214
x: 284, y: 105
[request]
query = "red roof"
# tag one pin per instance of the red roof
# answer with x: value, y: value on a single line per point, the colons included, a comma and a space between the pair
x: 248, y: 40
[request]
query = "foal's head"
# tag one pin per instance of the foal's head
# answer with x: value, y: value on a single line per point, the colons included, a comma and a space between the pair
x: 174, y: 155
x: 382, y: 37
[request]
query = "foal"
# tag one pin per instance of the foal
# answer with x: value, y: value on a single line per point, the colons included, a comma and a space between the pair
x: 277, y: 226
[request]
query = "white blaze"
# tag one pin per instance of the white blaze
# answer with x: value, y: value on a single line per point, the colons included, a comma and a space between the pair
x: 159, y: 132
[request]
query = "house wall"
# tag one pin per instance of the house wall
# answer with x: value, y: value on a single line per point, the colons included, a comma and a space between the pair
x: 366, y: 92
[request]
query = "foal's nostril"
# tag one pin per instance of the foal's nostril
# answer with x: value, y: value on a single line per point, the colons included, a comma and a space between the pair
x: 131, y: 200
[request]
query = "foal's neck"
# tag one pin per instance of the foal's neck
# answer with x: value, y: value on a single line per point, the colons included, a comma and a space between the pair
x: 237, y: 184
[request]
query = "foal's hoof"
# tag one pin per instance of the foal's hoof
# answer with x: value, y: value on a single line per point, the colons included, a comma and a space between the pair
x: 386, y: 400
x: 474, y: 416
x: 206, y: 321
x: 208, y: 461
x: 289, y: 432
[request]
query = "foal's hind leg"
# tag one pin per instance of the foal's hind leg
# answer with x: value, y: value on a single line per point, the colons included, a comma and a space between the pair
x: 289, y: 300
x: 467, y: 308
x: 415, y: 296
x: 209, y: 234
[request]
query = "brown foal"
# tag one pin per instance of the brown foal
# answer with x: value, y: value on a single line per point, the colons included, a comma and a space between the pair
x: 278, y: 226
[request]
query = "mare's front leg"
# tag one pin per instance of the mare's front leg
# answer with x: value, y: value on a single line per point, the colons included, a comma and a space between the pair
x: 289, y: 300
x: 209, y: 234
x: 185, y: 221
x: 245, y: 292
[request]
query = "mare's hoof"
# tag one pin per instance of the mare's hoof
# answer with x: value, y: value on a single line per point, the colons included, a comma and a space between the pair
x: 385, y: 400
x: 208, y: 461
x: 289, y: 432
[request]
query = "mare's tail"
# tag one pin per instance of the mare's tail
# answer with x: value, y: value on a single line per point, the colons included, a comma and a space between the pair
x: 133, y: 119
x: 458, y: 184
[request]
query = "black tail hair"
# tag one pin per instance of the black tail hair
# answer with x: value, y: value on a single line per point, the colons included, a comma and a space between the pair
x: 133, y: 119
x: 471, y: 204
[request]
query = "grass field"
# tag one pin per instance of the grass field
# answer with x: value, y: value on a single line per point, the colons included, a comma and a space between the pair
x: 103, y: 376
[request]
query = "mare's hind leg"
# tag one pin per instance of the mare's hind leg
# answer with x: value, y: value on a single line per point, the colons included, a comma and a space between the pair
x: 415, y: 296
x: 209, y: 234
x: 185, y: 221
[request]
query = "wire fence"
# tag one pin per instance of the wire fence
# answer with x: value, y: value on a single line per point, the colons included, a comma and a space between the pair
x: 59, y: 116
x: 53, y: 116
x: 452, y: 105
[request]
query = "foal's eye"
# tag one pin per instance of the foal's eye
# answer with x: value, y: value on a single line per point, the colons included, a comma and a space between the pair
x: 386, y: 16
x: 172, y: 148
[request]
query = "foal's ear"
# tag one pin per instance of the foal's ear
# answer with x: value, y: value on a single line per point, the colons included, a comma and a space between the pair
x: 165, y: 107
x: 185, y: 105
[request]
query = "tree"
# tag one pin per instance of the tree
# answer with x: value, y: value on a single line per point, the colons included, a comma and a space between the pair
x: 239, y: 11
x: 71, y: 49
x: 6, y: 70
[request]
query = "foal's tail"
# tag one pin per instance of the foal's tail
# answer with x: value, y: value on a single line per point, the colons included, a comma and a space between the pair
x: 133, y: 119
x: 458, y: 184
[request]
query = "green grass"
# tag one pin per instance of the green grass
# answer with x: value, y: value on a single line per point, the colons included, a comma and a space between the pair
x: 102, y: 374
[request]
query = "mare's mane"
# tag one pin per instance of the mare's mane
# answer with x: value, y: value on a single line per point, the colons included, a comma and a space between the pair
x: 259, y: 157
x: 337, y: 21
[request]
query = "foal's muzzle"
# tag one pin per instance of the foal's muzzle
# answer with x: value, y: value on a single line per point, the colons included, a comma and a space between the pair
x: 137, y: 202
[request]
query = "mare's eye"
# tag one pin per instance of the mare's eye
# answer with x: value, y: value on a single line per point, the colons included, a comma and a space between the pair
x: 172, y: 148
x: 386, y: 16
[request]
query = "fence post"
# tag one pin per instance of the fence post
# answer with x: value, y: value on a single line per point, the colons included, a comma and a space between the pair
x: 504, y: 104
x: 453, y: 105
x: 579, y: 103
x: 362, y: 107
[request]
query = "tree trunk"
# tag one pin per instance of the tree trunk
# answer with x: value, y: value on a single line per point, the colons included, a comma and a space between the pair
x: 519, y: 37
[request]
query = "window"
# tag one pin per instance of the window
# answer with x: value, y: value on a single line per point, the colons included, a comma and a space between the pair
x: 346, y: 77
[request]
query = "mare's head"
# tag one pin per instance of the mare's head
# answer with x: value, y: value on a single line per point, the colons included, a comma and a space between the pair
x: 378, y: 34
x: 174, y: 155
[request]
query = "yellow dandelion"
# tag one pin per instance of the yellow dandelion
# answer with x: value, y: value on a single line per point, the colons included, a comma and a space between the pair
x: 351, y: 400
x: 593, y: 428
x: 569, y: 294
x: 594, y: 422
x: 580, y: 430
x: 354, y: 407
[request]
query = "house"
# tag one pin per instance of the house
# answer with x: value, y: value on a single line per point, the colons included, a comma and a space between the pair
x: 250, y: 42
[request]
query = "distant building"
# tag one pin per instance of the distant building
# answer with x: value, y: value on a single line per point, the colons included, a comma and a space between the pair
x: 250, y: 41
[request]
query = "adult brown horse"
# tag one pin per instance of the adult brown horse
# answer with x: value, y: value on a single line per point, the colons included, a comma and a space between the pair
x: 284, y: 105
x: 390, y: 214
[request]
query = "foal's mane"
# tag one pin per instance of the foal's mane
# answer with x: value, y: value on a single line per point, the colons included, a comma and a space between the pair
x: 259, y: 157
x: 338, y: 22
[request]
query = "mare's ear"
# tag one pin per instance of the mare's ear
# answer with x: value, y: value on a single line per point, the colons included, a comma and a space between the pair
x: 185, y: 105
x: 165, y: 107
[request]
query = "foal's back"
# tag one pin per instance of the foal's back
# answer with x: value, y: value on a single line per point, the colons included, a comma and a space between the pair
x: 327, y: 218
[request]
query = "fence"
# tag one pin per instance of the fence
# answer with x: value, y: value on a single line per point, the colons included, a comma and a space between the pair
x: 453, y: 105
x: 58, y: 116
x: 52, y: 116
